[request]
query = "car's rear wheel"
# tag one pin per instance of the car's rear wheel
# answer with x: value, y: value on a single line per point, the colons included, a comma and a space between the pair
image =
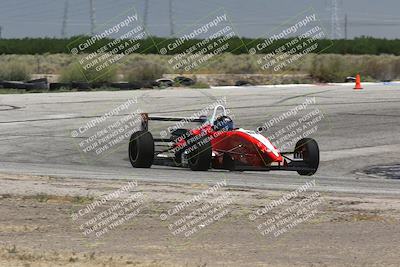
x: 141, y: 149
x: 199, y: 159
x: 308, y: 150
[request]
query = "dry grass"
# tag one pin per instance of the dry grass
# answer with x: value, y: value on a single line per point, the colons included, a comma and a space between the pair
x: 136, y: 67
x: 144, y: 70
x: 74, y: 73
x: 15, y: 71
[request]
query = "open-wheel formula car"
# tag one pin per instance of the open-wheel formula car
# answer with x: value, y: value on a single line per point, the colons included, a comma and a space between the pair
x: 217, y: 144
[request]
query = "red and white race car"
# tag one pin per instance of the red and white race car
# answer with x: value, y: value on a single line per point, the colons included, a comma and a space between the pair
x: 217, y: 144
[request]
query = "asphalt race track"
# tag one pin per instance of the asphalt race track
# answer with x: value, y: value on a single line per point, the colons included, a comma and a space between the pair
x: 359, y: 134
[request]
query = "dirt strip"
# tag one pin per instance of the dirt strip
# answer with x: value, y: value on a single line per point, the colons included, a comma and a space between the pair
x: 48, y: 221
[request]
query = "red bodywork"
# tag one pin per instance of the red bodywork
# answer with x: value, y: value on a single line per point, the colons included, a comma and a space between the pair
x: 246, y: 147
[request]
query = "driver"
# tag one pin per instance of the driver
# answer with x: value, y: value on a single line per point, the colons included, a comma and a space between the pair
x: 223, y: 123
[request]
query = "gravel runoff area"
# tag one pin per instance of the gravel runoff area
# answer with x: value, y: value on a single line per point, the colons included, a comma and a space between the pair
x: 39, y: 226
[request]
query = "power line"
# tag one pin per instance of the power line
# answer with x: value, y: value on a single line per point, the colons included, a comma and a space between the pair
x: 146, y: 13
x: 92, y: 17
x: 65, y: 20
x: 335, y: 25
x: 345, y: 26
x: 171, y: 22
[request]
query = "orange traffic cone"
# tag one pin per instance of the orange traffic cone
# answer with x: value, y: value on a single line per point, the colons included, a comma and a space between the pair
x: 358, y: 83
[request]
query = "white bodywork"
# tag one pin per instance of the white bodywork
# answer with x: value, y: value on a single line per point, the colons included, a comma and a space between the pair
x: 262, y: 139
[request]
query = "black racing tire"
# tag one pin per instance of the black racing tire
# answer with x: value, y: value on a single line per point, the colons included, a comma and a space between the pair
x: 141, y: 149
x: 228, y: 162
x: 36, y: 85
x: 200, y: 158
x: 308, y: 147
x: 99, y: 85
x: 126, y: 86
x: 40, y: 80
x: 81, y: 86
x: 185, y: 81
x: 57, y: 86
x: 243, y: 83
x: 13, y: 85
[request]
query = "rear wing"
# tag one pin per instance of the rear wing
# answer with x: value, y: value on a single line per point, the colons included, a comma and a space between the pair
x: 145, y: 118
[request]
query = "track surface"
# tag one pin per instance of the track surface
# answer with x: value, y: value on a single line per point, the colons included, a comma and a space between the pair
x: 360, y: 129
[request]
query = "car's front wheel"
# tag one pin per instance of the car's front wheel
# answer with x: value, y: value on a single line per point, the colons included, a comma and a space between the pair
x: 308, y: 150
x: 199, y: 159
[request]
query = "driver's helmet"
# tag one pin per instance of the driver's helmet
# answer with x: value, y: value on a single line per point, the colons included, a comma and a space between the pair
x: 223, y: 123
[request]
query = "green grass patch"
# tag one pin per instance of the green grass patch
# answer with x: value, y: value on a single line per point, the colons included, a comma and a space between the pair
x: 200, y: 85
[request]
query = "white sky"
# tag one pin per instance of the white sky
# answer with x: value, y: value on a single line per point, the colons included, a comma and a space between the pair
x: 251, y: 18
